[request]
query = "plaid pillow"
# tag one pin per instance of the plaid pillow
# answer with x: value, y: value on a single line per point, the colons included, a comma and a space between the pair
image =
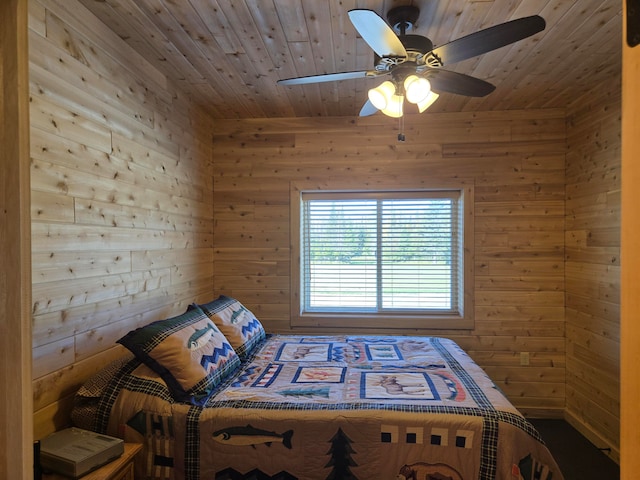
x: 188, y: 352
x: 95, y: 386
x: 241, y: 327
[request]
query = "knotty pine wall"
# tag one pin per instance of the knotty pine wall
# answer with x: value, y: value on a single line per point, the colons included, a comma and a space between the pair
x: 516, y: 160
x: 121, y: 197
x: 124, y: 232
x: 592, y: 267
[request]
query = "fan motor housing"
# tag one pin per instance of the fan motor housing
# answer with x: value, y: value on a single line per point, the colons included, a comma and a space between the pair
x: 415, y: 45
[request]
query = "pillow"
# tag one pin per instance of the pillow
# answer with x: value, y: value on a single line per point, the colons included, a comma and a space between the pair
x: 87, y: 398
x: 190, y: 354
x: 95, y: 386
x: 243, y: 330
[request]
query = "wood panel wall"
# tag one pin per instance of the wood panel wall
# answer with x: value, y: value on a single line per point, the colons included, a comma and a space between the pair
x: 16, y: 420
x: 123, y: 230
x: 593, y: 265
x: 516, y: 160
x: 121, y: 200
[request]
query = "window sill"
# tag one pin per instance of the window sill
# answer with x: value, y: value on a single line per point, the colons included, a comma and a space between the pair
x: 382, y: 321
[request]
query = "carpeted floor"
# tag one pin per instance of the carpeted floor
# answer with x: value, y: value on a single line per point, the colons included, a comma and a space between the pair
x: 578, y: 458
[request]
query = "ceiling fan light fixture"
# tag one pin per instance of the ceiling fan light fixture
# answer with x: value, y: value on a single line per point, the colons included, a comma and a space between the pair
x: 381, y: 95
x: 394, y: 107
x: 428, y: 101
x: 416, y: 88
x: 407, y: 57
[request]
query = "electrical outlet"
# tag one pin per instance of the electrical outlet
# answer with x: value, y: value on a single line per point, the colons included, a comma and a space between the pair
x: 524, y: 358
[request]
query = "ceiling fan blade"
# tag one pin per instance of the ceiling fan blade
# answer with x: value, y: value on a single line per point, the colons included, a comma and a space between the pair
x: 378, y: 35
x: 485, y: 41
x: 327, y: 77
x: 458, y: 83
x: 368, y: 109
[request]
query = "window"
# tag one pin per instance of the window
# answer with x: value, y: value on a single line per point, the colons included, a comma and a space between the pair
x: 382, y: 259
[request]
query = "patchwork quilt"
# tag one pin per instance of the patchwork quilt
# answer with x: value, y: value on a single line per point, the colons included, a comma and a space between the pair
x: 331, y: 407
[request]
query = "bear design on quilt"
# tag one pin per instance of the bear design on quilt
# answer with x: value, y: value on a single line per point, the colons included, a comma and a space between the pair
x: 428, y: 471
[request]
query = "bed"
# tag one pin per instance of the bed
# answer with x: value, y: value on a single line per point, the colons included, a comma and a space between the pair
x: 306, y: 407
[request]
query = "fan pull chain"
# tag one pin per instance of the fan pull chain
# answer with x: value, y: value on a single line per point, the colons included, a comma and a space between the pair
x: 401, y: 129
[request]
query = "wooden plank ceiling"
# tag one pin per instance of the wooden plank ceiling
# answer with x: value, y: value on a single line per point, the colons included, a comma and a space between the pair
x: 228, y: 54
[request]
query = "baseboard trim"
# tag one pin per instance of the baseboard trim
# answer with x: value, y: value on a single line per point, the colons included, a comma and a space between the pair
x: 612, y: 451
x: 547, y: 413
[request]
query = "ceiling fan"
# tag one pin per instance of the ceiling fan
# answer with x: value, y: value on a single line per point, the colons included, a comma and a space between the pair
x: 412, y: 66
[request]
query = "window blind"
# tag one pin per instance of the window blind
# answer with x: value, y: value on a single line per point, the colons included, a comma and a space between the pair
x: 381, y: 252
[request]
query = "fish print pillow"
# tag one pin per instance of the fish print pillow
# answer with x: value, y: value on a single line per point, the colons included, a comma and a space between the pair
x: 241, y: 327
x: 188, y: 351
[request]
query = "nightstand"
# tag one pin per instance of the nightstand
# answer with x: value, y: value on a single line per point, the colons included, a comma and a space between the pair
x: 120, y: 469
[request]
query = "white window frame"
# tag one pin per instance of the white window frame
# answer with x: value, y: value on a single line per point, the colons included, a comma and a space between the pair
x: 463, y: 318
